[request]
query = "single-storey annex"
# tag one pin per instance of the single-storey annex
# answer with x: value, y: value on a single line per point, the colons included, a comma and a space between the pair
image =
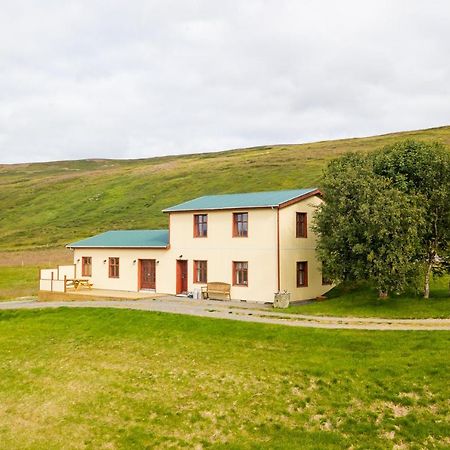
x: 260, y: 243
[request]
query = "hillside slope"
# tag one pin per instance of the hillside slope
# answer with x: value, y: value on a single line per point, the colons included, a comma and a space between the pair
x: 50, y: 204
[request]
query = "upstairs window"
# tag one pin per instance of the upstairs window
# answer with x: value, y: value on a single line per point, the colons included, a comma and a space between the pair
x: 240, y: 224
x: 200, y: 271
x: 301, y: 228
x: 200, y: 225
x: 113, y: 267
x: 86, y: 266
x: 302, y: 274
x: 240, y: 273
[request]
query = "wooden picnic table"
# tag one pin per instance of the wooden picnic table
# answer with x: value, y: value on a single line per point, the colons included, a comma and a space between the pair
x: 77, y: 282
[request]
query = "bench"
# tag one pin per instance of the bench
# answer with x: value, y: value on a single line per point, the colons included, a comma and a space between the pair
x: 77, y: 282
x: 216, y: 288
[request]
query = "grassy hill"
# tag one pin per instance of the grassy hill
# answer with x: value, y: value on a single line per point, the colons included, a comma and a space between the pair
x: 46, y: 205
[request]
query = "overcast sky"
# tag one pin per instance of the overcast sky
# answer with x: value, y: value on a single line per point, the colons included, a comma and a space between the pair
x: 130, y: 79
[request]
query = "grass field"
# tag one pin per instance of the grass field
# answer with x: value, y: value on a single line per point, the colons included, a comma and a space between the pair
x: 109, y: 379
x: 18, y: 281
x: 19, y: 271
x: 362, y: 301
x: 46, y: 205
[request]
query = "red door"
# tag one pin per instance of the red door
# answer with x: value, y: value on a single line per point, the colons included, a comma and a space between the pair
x: 182, y: 276
x: 148, y: 274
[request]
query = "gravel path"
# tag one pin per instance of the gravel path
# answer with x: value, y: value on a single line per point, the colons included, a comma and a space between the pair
x: 245, y: 312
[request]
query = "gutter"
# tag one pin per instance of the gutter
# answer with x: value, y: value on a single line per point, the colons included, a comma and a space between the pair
x: 116, y: 246
x: 278, y: 249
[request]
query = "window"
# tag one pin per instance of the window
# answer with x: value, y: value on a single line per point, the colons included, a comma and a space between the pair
x: 113, y: 267
x: 301, y: 228
x: 302, y: 273
x: 200, y: 225
x: 200, y: 271
x: 86, y: 266
x: 240, y: 273
x: 240, y: 224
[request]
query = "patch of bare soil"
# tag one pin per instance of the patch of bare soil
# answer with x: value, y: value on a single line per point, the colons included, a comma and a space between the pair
x: 48, y: 257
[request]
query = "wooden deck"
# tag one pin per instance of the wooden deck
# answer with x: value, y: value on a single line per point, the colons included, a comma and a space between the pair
x: 96, y: 294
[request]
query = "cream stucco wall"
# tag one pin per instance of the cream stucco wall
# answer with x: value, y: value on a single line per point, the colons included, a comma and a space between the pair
x: 128, y: 269
x: 293, y: 249
x: 220, y: 249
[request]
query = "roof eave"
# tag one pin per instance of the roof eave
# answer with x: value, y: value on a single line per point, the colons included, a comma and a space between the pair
x: 219, y: 209
x: 291, y: 201
x: 299, y: 198
x: 119, y: 246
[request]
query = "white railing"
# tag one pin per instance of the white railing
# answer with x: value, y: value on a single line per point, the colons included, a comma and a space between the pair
x: 66, y: 271
x: 59, y: 286
x: 49, y: 274
x: 55, y: 280
x: 45, y: 285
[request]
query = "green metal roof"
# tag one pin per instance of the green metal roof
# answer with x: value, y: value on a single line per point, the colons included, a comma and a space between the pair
x: 247, y: 200
x: 126, y: 239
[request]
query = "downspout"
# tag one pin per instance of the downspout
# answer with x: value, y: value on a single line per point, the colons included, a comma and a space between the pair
x: 278, y: 249
x: 168, y: 245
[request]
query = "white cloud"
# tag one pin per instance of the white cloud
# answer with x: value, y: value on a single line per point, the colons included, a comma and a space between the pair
x: 135, y: 79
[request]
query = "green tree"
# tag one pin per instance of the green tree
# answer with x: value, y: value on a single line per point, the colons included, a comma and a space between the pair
x: 368, y: 229
x: 423, y: 170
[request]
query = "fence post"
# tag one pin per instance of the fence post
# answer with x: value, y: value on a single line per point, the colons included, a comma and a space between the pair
x: 51, y: 283
x: 65, y: 281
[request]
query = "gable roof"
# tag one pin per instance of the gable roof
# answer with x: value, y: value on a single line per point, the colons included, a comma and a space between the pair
x: 125, y: 239
x: 245, y: 200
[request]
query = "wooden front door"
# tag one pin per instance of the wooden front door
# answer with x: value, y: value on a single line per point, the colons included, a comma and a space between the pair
x: 182, y: 276
x: 148, y: 274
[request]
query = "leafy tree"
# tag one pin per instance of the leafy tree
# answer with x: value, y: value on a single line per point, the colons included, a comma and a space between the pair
x: 423, y: 170
x: 368, y: 228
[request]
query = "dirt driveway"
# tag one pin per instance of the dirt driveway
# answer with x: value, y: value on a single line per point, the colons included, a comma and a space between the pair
x: 245, y: 312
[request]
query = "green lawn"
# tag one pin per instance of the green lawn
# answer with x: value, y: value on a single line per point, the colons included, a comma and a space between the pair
x: 110, y: 379
x: 364, y: 302
x: 18, y: 281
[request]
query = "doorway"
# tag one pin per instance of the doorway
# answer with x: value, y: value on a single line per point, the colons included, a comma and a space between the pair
x: 182, y: 276
x: 147, y: 274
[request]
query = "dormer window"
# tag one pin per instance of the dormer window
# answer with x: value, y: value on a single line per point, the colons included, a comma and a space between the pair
x: 200, y: 225
x: 240, y: 224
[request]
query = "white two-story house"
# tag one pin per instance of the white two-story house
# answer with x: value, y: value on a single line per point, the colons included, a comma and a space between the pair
x: 260, y: 243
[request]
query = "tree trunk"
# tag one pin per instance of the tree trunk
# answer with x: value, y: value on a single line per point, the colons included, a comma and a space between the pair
x: 426, y: 290
x: 432, y: 252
